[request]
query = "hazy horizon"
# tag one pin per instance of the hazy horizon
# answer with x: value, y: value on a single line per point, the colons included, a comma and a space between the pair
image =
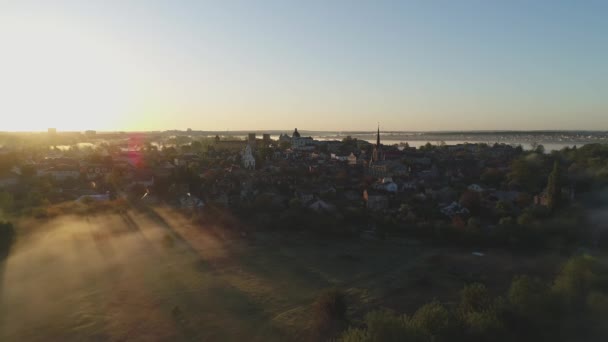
x: 339, y: 66
x: 289, y: 130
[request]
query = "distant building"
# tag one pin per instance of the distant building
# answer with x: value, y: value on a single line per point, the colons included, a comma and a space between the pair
x: 377, y: 154
x: 61, y: 172
x: 352, y: 159
x: 299, y: 142
x: 228, y: 145
x: 90, y: 133
x: 375, y: 201
x: 247, y: 158
x: 454, y: 209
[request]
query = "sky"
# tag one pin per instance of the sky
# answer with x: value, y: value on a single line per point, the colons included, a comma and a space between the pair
x: 316, y: 65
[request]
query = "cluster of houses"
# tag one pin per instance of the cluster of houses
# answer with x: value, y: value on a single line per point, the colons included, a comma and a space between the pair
x: 326, y: 176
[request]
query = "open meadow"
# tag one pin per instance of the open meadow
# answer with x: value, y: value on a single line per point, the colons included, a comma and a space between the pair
x: 142, y: 276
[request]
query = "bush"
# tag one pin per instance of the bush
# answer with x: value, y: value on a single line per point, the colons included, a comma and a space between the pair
x: 434, y: 320
x: 527, y: 295
x: 577, y: 278
x: 478, y: 312
x: 474, y: 297
x: 574, y: 308
x: 355, y: 335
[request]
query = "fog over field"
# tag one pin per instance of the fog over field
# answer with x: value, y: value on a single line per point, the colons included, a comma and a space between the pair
x: 118, y: 277
x: 154, y: 276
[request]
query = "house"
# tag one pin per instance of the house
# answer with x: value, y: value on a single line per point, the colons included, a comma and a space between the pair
x: 321, y: 206
x: 341, y: 158
x: 145, y: 179
x: 391, y: 187
x: 454, y: 209
x: 190, y: 202
x: 475, y: 188
x: 375, y: 201
x: 305, y: 197
x: 388, y: 168
x: 387, y: 184
x: 352, y: 195
x: 187, y: 159
x: 61, y: 172
x: 96, y: 171
x: 163, y: 171
x: 327, y: 191
x: 410, y: 185
x: 228, y: 145
x: 298, y: 142
x: 352, y: 159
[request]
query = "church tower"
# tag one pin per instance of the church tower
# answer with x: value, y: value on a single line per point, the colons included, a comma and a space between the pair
x: 377, y: 155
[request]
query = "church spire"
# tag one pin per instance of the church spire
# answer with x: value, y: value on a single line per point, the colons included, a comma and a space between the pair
x: 377, y: 154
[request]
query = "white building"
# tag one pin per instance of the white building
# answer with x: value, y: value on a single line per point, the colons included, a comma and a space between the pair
x: 247, y: 158
x: 300, y: 142
x: 61, y: 172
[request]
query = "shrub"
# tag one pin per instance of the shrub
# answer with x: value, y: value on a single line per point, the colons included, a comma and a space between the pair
x: 433, y: 319
x: 478, y: 312
x: 576, y: 279
x: 474, y: 297
x: 384, y: 325
x: 527, y: 295
x: 355, y: 335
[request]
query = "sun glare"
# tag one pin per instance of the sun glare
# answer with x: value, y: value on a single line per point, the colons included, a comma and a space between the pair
x: 56, y: 76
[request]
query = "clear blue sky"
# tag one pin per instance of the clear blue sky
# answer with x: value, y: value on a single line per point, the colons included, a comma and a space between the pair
x: 320, y: 65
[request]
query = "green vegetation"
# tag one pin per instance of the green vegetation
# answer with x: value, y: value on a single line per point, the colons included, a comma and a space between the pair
x: 570, y: 309
x: 554, y: 189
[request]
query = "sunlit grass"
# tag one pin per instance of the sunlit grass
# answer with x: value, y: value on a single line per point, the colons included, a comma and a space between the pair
x: 156, y: 274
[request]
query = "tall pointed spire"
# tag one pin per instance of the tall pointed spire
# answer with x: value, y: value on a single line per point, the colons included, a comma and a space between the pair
x: 378, y: 137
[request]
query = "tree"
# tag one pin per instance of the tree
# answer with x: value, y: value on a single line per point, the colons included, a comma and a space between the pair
x: 471, y: 200
x: 577, y: 278
x: 554, y: 190
x: 526, y: 295
x: 478, y: 312
x: 474, y: 297
x: 433, y: 319
x: 492, y: 176
x: 197, y: 146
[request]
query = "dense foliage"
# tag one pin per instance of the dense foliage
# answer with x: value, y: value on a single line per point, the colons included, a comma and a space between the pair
x: 571, y: 308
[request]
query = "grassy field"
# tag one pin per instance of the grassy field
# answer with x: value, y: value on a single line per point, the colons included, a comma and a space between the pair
x: 153, y: 276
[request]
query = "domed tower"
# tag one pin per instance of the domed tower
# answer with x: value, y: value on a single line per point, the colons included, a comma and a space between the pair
x: 296, y: 134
